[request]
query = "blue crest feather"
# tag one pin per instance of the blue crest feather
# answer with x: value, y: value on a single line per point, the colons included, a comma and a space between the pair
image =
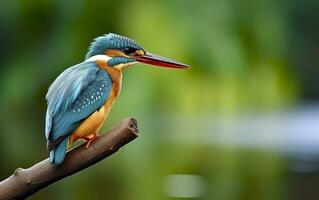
x: 110, y: 41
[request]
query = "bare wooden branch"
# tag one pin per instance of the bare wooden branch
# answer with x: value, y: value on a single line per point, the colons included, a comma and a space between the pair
x: 25, y: 182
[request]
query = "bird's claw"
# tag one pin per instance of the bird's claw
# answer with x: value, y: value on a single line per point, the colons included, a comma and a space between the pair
x: 89, y: 141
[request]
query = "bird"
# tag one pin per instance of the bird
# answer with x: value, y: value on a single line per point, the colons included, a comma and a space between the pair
x: 80, y: 99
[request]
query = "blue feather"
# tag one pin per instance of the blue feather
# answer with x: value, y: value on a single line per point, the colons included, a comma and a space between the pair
x: 110, y: 41
x: 58, y: 153
x: 119, y: 60
x: 75, y: 94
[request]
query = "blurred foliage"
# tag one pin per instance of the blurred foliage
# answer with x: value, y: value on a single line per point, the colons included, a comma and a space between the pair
x: 241, y: 62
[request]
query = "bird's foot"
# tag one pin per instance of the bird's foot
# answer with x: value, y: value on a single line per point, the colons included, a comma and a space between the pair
x: 89, y: 141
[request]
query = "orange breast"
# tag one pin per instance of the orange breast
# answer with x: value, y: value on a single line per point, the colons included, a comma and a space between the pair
x: 91, y: 125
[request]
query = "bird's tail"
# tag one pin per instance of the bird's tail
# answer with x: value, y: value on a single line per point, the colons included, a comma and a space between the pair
x: 57, y: 154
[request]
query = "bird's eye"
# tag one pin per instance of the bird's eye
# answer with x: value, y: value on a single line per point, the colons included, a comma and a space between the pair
x: 129, y: 51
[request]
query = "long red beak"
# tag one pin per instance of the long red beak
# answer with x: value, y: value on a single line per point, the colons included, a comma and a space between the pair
x: 156, y: 60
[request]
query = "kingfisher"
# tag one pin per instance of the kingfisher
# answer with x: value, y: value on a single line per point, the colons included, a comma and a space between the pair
x: 81, y: 97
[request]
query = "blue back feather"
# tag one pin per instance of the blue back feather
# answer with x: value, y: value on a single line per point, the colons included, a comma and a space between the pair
x: 75, y: 94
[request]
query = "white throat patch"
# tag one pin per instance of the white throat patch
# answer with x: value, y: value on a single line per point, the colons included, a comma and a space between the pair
x: 99, y: 57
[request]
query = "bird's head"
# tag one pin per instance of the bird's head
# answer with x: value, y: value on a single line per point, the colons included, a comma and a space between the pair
x: 121, y: 52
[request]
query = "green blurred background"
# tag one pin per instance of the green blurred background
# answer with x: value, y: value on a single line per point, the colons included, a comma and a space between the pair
x: 242, y: 123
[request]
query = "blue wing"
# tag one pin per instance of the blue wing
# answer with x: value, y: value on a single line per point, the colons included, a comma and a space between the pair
x: 76, y: 93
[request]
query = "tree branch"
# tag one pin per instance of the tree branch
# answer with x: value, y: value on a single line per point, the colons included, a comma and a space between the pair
x: 25, y: 182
